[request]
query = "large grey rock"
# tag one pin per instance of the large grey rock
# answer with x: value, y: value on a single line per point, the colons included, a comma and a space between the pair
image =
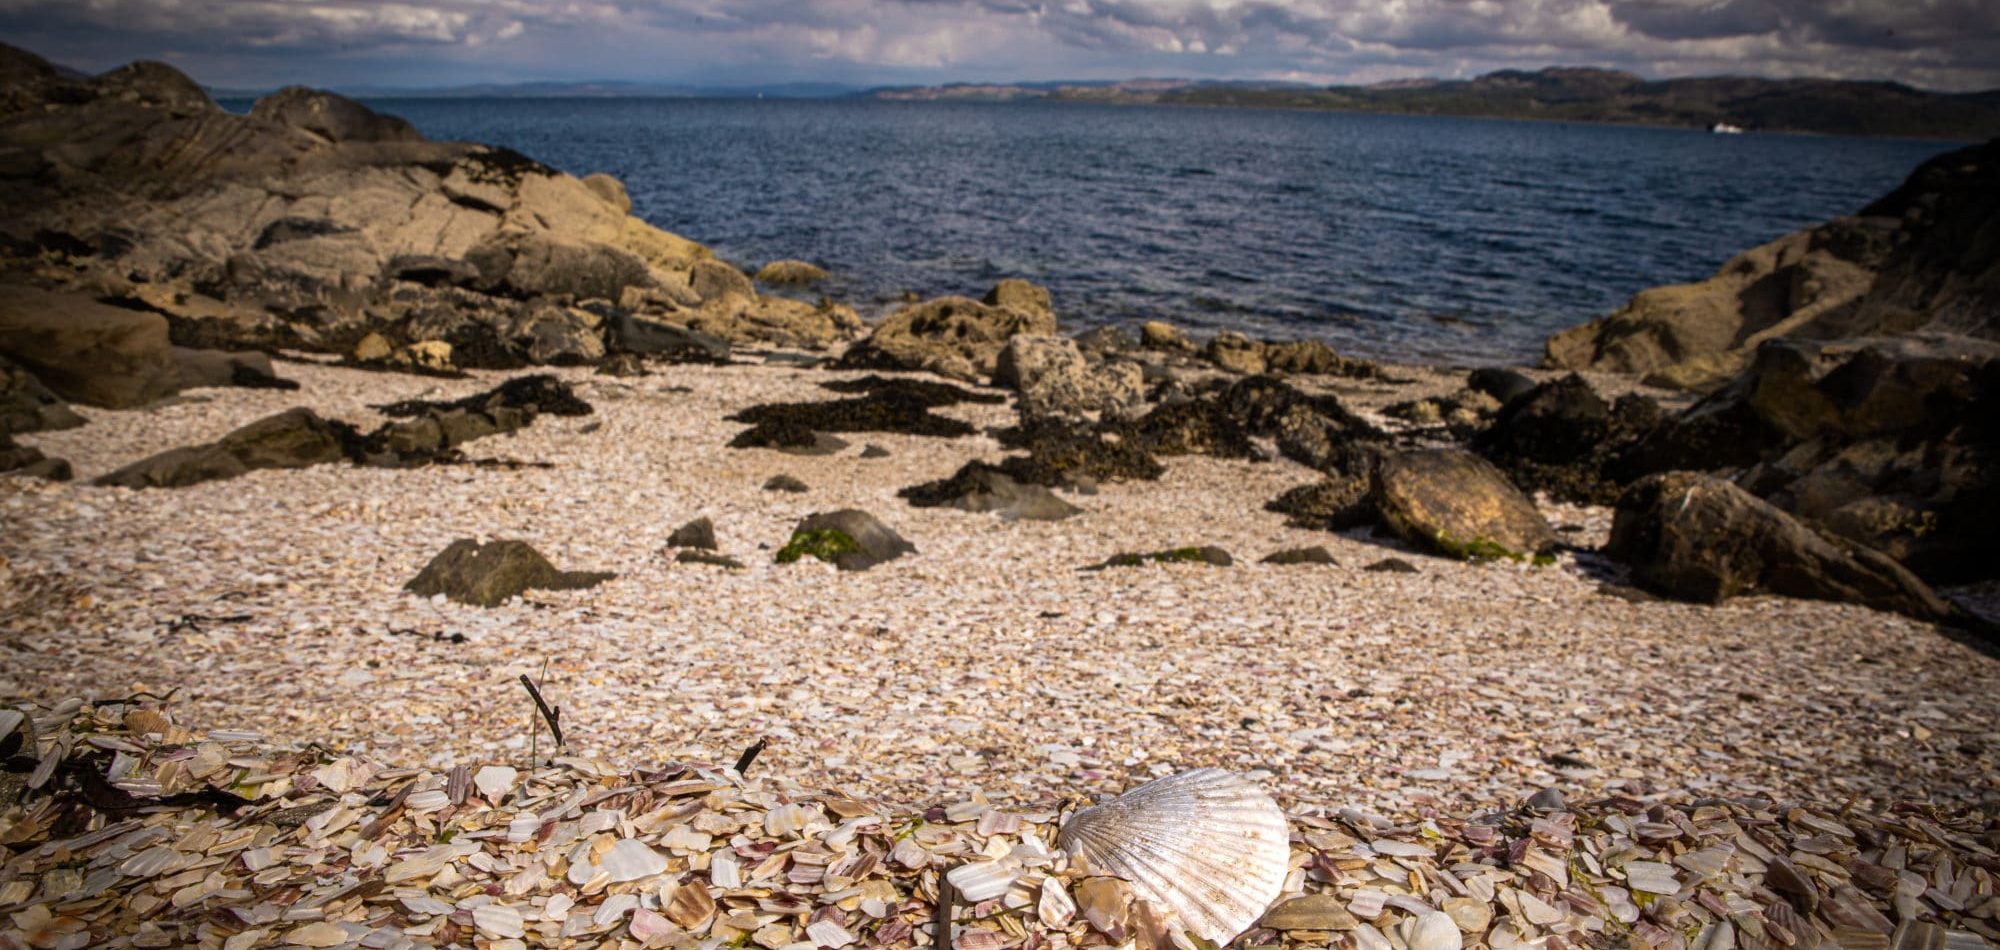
x: 1055, y: 379
x: 715, y: 281
x: 849, y: 539
x: 1695, y: 537
x: 294, y: 438
x: 487, y: 575
x: 1459, y: 505
x: 28, y: 406
x: 86, y: 351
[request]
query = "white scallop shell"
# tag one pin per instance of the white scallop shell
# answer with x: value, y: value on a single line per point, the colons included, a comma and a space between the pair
x: 1209, y: 848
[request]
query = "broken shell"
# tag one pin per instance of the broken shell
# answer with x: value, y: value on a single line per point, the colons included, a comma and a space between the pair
x: 1206, y: 847
x: 630, y: 860
x: 982, y: 880
x: 1055, y: 908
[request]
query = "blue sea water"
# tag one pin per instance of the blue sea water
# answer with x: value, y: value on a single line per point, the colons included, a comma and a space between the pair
x: 1405, y: 237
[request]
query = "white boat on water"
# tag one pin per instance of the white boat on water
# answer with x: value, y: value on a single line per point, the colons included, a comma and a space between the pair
x: 1724, y: 128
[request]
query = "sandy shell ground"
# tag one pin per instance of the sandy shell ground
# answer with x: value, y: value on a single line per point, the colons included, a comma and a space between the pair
x: 985, y: 662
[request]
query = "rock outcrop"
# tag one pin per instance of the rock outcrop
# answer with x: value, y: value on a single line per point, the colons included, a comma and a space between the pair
x: 1893, y: 443
x: 314, y: 221
x: 1926, y: 257
x: 1563, y: 438
x: 1694, y: 537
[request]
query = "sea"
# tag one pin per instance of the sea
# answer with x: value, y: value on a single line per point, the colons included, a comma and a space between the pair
x: 1416, y: 238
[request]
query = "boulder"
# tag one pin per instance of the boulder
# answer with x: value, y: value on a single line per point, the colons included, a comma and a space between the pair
x: 950, y: 336
x: 1228, y: 419
x: 294, y: 438
x: 1014, y: 293
x: 714, y: 281
x: 1563, y: 438
x: 849, y: 539
x: 1459, y: 505
x: 981, y: 487
x: 1499, y: 382
x: 680, y: 344
x: 1236, y: 353
x: 1054, y: 379
x: 1919, y: 259
x: 1107, y: 341
x: 1695, y: 537
x: 699, y: 533
x: 85, y: 351
x: 28, y: 406
x: 488, y: 575
x: 1160, y: 335
x: 1392, y: 565
x: 790, y: 273
x: 1331, y: 504
x: 785, y: 483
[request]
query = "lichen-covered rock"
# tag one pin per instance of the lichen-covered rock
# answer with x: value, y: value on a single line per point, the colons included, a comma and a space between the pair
x: 849, y: 539
x: 488, y: 575
x: 1457, y: 504
x: 1694, y: 537
x: 1054, y: 379
x: 954, y: 337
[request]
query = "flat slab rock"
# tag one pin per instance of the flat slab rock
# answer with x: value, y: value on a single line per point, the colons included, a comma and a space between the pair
x: 1459, y: 505
x: 488, y: 575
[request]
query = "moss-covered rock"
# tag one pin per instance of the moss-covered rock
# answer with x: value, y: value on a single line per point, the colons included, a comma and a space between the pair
x: 849, y: 539
x: 1202, y: 554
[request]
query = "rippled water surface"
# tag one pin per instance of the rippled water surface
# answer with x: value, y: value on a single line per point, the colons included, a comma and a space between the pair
x: 1403, y: 237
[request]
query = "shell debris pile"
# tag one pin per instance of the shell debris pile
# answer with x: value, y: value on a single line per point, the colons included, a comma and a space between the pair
x: 122, y: 827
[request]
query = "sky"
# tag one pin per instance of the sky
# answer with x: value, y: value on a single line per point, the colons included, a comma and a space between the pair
x: 1938, y: 44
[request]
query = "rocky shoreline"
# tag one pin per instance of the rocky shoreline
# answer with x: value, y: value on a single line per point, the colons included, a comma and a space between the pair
x: 302, y: 398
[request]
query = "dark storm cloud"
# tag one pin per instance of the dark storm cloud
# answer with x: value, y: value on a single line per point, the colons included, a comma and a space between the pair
x: 1948, y: 43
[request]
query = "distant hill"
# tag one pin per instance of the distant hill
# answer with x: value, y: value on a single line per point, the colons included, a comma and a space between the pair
x: 1830, y: 106
x: 604, y: 89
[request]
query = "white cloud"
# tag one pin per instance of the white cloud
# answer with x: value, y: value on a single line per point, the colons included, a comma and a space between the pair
x: 1952, y: 43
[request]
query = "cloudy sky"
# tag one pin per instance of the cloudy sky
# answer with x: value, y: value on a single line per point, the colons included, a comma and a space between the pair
x: 1946, y: 44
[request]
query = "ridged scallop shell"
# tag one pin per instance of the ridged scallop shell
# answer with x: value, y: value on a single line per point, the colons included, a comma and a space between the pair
x: 1209, y: 848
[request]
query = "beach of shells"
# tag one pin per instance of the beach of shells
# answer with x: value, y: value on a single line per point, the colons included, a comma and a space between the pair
x: 984, y: 669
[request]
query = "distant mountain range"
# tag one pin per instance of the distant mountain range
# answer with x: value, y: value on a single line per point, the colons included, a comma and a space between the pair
x: 1570, y: 94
